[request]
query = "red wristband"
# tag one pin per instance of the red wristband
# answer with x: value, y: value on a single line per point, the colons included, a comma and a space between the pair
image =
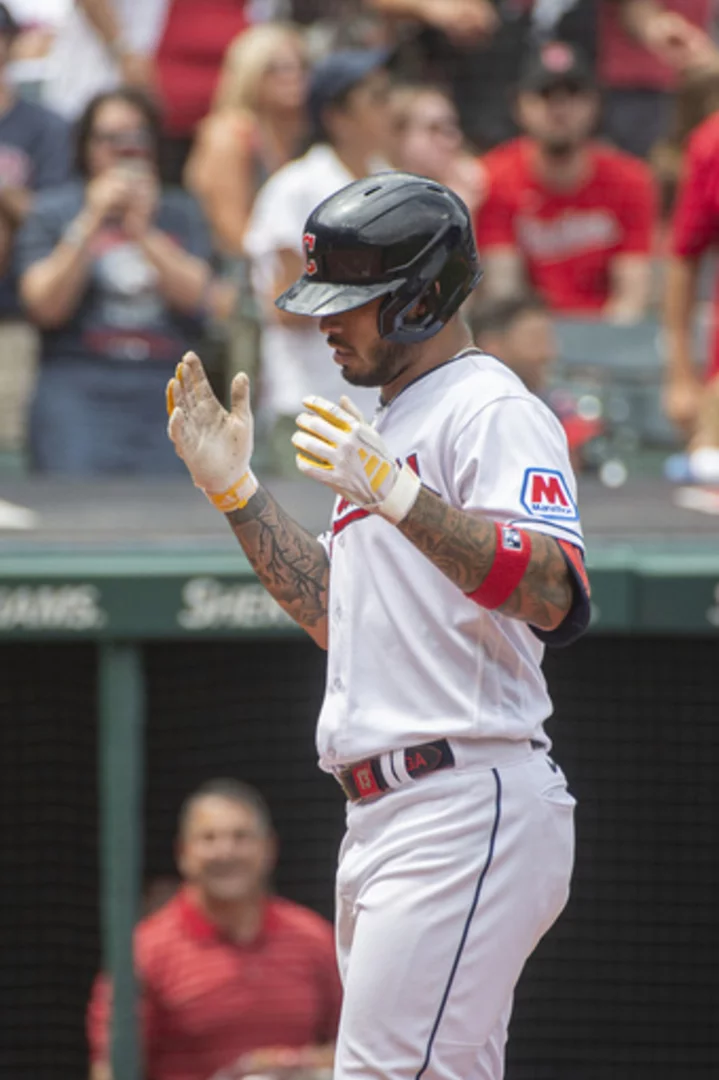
x: 511, y: 557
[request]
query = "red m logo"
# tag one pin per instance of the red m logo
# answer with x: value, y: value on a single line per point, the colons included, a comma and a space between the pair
x: 548, y: 490
x: 546, y: 493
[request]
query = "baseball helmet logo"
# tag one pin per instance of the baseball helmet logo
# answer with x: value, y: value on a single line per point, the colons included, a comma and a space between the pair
x: 309, y: 241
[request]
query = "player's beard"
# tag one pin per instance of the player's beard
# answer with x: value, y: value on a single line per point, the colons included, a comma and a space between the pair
x: 388, y: 360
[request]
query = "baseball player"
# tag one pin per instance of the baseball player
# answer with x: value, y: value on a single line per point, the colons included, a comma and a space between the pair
x: 454, y: 554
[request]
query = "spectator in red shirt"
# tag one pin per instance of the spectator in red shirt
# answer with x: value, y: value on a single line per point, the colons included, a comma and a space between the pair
x: 695, y: 231
x: 227, y: 971
x: 188, y: 62
x: 571, y: 216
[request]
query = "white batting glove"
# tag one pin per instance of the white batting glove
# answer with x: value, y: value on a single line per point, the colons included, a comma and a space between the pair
x: 216, y: 445
x: 338, y: 447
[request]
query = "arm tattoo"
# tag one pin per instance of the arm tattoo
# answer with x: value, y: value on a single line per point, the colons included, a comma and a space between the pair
x: 289, y: 561
x: 462, y: 546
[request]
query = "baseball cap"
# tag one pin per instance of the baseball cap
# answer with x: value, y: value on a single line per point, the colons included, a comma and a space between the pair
x: 336, y: 74
x: 556, y: 64
x: 8, y: 24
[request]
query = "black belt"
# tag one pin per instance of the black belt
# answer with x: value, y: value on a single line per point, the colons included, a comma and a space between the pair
x: 364, y: 779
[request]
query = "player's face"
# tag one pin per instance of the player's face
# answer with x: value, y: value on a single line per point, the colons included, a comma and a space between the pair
x: 224, y: 851
x: 364, y: 358
x: 559, y: 119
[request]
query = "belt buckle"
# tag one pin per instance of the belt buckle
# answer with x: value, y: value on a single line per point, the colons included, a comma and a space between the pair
x: 365, y: 779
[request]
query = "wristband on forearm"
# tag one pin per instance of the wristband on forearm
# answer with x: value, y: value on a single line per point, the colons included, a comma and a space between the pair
x: 235, y: 497
x: 511, y: 557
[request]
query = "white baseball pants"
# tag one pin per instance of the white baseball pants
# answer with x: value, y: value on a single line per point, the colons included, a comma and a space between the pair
x: 445, y: 885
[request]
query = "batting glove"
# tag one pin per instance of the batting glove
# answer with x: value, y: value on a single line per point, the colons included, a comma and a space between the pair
x: 216, y: 445
x: 338, y: 447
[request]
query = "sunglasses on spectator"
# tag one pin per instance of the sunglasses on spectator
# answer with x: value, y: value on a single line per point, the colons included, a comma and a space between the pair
x: 569, y: 89
x: 138, y: 141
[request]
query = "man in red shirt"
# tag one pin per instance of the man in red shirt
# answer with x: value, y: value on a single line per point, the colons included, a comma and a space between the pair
x: 226, y: 970
x: 570, y: 216
x: 688, y: 401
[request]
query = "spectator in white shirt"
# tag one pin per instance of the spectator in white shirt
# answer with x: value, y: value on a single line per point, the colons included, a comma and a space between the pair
x: 100, y: 45
x: 349, y: 114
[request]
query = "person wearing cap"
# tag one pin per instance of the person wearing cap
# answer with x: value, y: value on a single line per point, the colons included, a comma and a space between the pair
x: 570, y: 217
x: 234, y: 979
x: 34, y: 154
x: 351, y: 132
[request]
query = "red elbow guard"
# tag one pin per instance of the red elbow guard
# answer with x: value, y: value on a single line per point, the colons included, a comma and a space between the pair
x: 511, y: 558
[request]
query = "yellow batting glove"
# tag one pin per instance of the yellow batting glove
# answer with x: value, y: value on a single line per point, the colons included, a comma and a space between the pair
x: 337, y: 446
x: 216, y: 445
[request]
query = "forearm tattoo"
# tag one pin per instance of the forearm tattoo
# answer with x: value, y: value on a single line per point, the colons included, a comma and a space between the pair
x: 289, y: 561
x: 462, y: 546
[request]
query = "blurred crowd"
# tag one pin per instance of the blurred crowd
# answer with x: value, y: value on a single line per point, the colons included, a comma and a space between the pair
x: 158, y: 159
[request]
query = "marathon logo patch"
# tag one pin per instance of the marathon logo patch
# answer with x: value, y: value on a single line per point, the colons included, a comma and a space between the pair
x: 546, y: 494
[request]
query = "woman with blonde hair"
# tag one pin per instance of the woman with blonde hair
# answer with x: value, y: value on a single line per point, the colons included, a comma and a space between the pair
x: 256, y: 125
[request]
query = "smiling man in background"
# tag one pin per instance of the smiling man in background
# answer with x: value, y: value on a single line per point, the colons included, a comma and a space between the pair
x: 227, y: 970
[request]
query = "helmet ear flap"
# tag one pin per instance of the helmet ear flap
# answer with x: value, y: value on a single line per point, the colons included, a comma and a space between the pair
x: 395, y: 323
x: 401, y: 317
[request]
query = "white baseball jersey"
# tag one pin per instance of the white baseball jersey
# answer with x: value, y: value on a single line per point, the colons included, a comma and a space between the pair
x: 410, y: 658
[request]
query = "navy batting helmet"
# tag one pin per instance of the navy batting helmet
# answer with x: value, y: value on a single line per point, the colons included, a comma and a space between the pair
x: 392, y: 235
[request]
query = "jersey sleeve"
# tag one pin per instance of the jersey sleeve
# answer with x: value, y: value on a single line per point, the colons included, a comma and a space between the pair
x: 512, y: 465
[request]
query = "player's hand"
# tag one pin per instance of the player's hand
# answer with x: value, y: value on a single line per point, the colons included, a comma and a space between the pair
x: 338, y: 447
x: 216, y: 445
